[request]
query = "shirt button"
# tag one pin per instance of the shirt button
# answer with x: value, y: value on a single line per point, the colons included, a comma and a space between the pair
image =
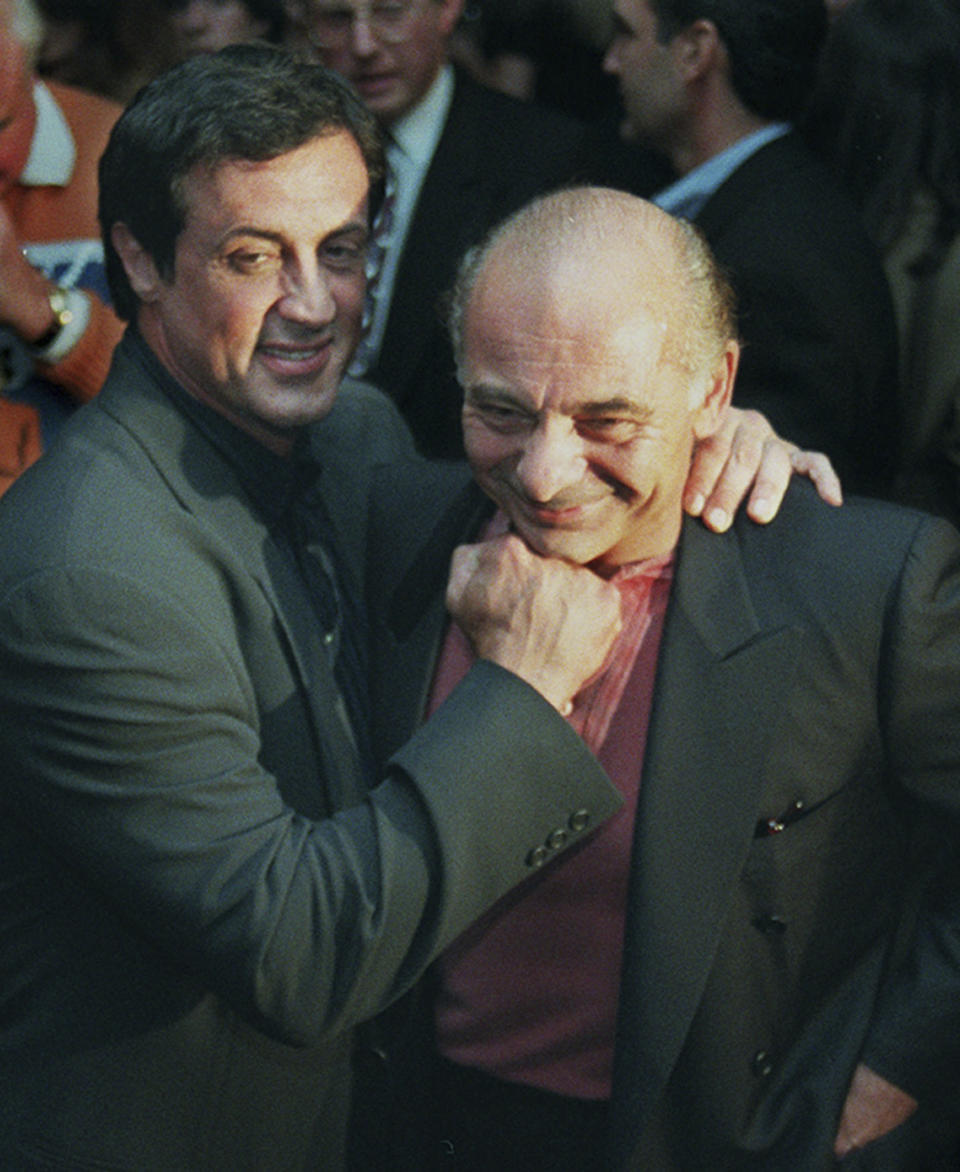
x: 328, y: 637
x: 770, y: 925
x: 762, y: 1064
x: 557, y: 840
x: 579, y: 820
x: 538, y: 856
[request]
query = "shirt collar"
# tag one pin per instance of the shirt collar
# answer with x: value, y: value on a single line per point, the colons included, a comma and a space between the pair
x: 53, y: 152
x: 417, y: 133
x: 688, y: 195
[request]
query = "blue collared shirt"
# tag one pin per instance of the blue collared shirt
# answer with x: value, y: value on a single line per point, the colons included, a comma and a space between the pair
x: 687, y: 196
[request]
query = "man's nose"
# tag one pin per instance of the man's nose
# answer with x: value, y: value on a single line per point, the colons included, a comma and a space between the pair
x: 363, y: 40
x: 552, y: 460
x: 306, y: 295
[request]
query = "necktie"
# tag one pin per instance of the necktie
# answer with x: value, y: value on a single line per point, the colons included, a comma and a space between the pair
x: 366, y: 353
x: 340, y: 615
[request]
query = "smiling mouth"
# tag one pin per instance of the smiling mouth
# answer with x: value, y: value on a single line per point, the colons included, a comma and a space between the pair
x: 554, y: 517
x: 290, y: 358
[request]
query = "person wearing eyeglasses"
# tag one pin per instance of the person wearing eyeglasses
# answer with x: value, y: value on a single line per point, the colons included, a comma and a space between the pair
x: 462, y: 157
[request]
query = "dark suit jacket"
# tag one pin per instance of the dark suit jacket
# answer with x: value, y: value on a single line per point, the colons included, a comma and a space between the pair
x: 816, y: 316
x: 495, y: 154
x: 187, y: 935
x: 804, y: 739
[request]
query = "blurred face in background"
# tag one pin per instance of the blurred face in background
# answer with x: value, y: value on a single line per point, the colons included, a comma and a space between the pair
x: 18, y: 116
x: 390, y: 50
x: 651, y: 85
x: 204, y: 26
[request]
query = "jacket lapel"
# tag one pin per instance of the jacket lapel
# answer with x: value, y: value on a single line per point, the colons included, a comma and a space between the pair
x: 206, y: 487
x: 720, y: 682
x: 751, y: 180
x: 413, y: 615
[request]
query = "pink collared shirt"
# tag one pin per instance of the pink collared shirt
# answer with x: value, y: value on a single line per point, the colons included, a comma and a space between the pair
x: 529, y: 993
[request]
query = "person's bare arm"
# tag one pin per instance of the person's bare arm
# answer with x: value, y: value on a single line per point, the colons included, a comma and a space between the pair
x: 746, y: 456
x: 547, y: 621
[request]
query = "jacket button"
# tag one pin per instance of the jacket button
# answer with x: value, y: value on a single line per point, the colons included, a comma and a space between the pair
x: 762, y: 1064
x: 557, y: 840
x: 579, y: 820
x: 538, y: 856
x: 770, y: 925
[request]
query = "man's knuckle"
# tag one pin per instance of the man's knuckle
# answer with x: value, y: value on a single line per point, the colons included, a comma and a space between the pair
x: 746, y: 456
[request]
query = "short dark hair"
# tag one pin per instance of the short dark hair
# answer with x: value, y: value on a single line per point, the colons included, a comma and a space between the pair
x: 248, y: 101
x: 773, y: 46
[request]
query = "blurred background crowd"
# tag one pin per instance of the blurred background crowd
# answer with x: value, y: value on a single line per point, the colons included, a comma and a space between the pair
x: 487, y: 102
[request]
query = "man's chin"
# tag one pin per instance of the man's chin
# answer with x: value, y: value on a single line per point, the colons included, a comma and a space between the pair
x: 567, y: 546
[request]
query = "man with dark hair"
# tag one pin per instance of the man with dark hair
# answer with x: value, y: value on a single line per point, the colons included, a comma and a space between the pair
x: 754, y: 962
x: 204, y: 890
x: 716, y: 85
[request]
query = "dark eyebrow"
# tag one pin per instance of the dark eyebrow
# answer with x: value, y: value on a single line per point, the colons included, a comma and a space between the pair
x: 247, y: 230
x: 616, y: 406
x: 595, y: 409
x: 277, y: 237
x: 490, y: 392
x: 349, y: 229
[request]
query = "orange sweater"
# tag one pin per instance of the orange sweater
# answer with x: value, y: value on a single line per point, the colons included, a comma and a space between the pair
x: 49, y: 213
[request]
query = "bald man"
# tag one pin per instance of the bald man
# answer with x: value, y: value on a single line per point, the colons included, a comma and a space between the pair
x: 749, y: 965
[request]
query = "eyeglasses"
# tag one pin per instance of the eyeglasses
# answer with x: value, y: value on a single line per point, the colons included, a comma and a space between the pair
x: 331, y: 26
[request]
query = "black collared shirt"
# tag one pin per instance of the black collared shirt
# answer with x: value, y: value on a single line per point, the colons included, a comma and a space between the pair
x: 283, y: 493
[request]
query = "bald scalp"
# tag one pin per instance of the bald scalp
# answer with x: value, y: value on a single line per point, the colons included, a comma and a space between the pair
x: 582, y: 239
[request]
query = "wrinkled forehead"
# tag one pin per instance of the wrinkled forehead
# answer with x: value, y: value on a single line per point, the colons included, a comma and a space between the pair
x: 595, y: 303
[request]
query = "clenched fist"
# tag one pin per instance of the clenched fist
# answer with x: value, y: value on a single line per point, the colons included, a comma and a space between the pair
x: 549, y: 622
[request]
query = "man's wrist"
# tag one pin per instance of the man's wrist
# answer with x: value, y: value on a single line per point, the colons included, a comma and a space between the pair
x: 70, y: 311
x: 62, y: 316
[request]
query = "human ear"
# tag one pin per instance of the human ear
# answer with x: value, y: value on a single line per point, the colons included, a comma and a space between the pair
x: 708, y: 417
x: 138, y: 264
x: 450, y: 13
x: 696, y: 49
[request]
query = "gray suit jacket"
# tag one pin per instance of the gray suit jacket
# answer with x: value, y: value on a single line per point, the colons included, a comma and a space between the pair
x: 801, y: 783
x: 199, y: 899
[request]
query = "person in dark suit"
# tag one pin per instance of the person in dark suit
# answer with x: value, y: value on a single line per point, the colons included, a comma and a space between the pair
x: 463, y: 156
x: 204, y: 888
x: 754, y: 963
x: 716, y: 85
x: 885, y: 115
